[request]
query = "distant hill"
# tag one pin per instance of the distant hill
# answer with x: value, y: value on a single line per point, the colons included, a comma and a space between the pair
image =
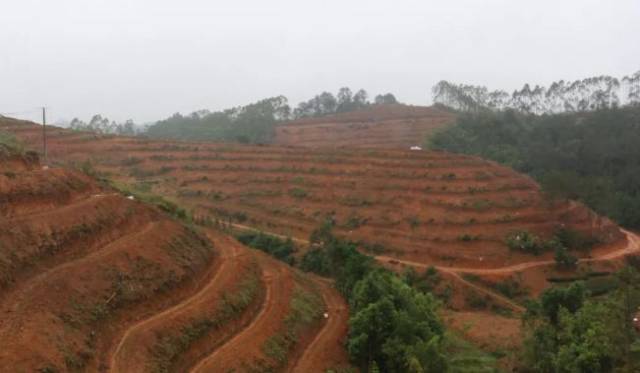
x: 376, y: 126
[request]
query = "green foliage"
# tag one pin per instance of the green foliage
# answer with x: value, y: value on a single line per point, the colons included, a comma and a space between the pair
x: 279, y: 248
x: 160, y: 202
x: 592, y: 157
x: 9, y: 142
x: 564, y: 260
x: 511, y: 288
x: 525, y: 242
x: 298, y: 193
x: 326, y: 103
x: 104, y: 126
x: 394, y: 326
x: 574, y: 240
x: 467, y: 237
x: 568, y: 333
x: 171, y: 346
x: 253, y: 123
x: 305, y: 308
x: 569, y: 298
x: 529, y: 243
x: 355, y: 221
x: 385, y: 99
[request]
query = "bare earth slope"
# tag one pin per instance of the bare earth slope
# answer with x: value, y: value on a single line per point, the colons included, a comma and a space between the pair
x: 428, y: 207
x: 378, y: 126
x: 94, y: 281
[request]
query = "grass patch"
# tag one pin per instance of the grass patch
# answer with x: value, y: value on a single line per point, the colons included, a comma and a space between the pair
x: 10, y: 143
x: 305, y: 308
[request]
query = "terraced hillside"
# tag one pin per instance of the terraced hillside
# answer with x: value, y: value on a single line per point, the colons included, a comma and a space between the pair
x: 94, y: 281
x: 378, y: 126
x: 426, y: 207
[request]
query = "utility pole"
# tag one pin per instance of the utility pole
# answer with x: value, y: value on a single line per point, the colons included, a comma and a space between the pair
x: 44, y: 135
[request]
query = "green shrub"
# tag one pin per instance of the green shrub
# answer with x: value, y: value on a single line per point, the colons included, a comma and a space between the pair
x: 298, y: 193
x: 272, y: 245
x: 510, y: 288
x: 468, y: 238
x: 355, y: 221
x: 564, y: 260
x: 525, y: 242
x: 574, y: 240
x: 10, y: 142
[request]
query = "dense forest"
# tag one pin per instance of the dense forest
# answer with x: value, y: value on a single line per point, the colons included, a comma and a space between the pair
x: 561, y: 96
x: 590, y: 156
x: 254, y: 123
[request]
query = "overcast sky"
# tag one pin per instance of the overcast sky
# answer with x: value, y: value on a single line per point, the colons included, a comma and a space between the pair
x: 146, y: 59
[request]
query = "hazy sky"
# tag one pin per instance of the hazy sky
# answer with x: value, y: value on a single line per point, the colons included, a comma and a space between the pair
x: 146, y: 59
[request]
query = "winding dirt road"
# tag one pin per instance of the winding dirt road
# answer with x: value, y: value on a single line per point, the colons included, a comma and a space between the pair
x: 128, y: 356
x: 633, y: 246
x: 248, y: 343
x: 326, y: 350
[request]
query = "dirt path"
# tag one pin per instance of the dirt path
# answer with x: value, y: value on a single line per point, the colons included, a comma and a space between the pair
x: 230, y: 355
x: 21, y: 299
x: 29, y: 285
x: 326, y: 350
x: 127, y: 356
x: 280, y: 236
x: 633, y: 245
x: 70, y: 207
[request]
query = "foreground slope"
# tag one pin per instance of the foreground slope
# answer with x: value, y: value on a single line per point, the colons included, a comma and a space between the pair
x: 94, y: 281
x: 377, y: 126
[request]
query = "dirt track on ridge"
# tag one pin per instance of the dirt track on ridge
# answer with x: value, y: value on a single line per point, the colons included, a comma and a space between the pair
x: 326, y: 346
x: 127, y: 357
x: 279, y: 286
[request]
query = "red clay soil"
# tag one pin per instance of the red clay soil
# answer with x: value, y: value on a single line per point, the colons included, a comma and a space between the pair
x: 326, y: 351
x: 425, y: 207
x: 378, y: 126
x: 232, y: 266
x: 68, y: 267
x: 84, y: 261
x: 245, y: 346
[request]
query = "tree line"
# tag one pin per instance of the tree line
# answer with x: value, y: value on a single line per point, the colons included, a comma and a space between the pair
x: 103, y: 125
x: 592, y: 157
x: 561, y: 96
x: 254, y: 123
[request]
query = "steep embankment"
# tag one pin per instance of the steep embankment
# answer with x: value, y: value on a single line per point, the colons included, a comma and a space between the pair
x: 76, y: 261
x: 94, y: 281
x: 378, y: 126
